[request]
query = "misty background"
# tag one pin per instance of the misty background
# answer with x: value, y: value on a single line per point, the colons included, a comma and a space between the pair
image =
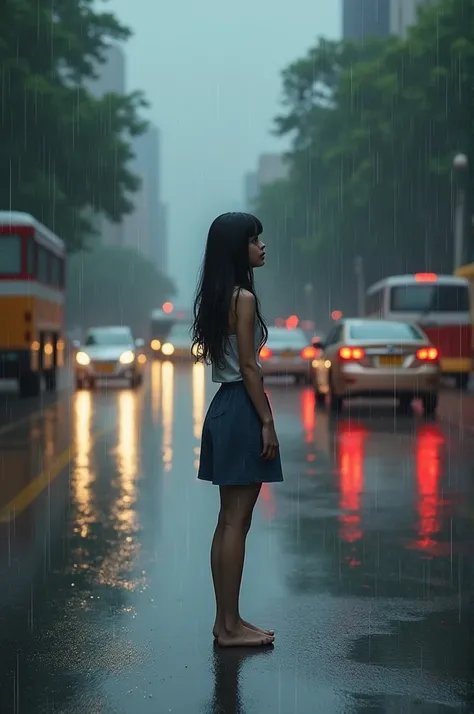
x: 212, y: 76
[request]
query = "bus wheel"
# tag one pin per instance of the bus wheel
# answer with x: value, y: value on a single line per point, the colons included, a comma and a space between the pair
x: 50, y: 380
x: 462, y: 380
x: 30, y: 384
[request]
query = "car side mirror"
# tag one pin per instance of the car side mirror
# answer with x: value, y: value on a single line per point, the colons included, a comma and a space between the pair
x: 139, y: 343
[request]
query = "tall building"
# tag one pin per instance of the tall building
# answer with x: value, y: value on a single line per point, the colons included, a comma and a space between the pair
x: 110, y: 78
x: 365, y: 18
x: 271, y: 167
x: 162, y: 244
x: 250, y: 190
x: 145, y: 228
x: 110, y: 73
x: 403, y: 13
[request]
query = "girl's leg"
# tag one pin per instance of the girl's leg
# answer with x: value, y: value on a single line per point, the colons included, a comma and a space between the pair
x: 228, y: 551
x: 215, y: 562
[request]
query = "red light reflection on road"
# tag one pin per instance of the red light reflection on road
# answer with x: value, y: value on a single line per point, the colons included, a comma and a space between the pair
x: 268, y: 501
x: 351, y: 439
x: 308, y: 414
x: 429, y: 440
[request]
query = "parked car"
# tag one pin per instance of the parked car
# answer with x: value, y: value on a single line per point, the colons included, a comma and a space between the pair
x: 377, y: 358
x: 287, y: 352
x: 109, y: 353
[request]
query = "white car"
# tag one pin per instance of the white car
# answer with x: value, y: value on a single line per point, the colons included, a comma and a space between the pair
x: 178, y: 343
x: 287, y: 352
x: 109, y: 353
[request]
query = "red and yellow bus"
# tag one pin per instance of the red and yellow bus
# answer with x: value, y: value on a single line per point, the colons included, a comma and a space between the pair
x: 32, y: 271
x: 440, y: 305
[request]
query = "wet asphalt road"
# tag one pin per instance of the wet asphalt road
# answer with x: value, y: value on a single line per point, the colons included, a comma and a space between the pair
x: 362, y: 560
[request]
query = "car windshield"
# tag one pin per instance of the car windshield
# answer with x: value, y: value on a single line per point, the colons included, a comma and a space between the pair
x: 390, y: 331
x: 288, y: 338
x: 108, y: 338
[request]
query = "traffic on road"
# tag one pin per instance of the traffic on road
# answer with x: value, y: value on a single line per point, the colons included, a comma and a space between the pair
x: 361, y: 560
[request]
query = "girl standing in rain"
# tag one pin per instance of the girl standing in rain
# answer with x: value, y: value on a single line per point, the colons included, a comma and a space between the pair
x: 239, y: 447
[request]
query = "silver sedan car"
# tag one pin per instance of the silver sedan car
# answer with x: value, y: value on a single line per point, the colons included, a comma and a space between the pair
x: 377, y: 358
x: 109, y: 353
x: 287, y: 352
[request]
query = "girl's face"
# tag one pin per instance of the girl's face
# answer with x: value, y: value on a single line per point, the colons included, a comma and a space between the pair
x: 256, y: 252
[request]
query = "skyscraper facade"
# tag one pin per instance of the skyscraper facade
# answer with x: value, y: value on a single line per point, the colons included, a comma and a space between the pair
x: 110, y: 78
x: 365, y: 18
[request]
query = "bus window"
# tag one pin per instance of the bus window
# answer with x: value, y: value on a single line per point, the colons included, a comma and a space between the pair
x: 43, y: 265
x: 61, y: 272
x: 10, y: 255
x: 429, y: 298
x: 31, y: 257
x: 55, y: 271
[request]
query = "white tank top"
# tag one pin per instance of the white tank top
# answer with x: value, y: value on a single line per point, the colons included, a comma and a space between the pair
x: 230, y: 371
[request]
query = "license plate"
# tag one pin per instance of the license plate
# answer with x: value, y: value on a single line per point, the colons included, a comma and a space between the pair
x: 287, y: 355
x: 104, y: 368
x: 390, y: 361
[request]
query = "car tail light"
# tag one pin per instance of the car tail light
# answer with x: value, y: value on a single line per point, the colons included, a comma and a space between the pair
x: 308, y: 353
x: 428, y: 354
x: 351, y: 354
x: 266, y: 353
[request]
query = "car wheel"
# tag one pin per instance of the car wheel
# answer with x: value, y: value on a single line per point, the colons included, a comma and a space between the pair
x: 430, y: 404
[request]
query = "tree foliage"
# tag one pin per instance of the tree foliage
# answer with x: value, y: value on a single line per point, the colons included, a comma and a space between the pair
x: 61, y: 150
x: 374, y: 129
x: 113, y: 285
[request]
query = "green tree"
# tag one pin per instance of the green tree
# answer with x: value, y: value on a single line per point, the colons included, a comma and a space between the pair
x: 113, y: 285
x: 62, y: 151
x: 374, y: 129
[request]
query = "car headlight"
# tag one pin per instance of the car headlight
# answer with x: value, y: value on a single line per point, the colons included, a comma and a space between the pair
x: 83, y: 359
x: 127, y: 357
x: 155, y: 345
x: 167, y: 349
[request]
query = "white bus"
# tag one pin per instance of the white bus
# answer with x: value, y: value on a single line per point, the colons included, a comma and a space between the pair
x: 440, y: 305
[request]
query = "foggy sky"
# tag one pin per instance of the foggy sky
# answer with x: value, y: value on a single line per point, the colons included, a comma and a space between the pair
x: 212, y: 75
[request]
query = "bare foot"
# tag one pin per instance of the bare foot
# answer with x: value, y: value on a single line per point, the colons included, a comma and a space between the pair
x: 243, y: 637
x: 248, y: 625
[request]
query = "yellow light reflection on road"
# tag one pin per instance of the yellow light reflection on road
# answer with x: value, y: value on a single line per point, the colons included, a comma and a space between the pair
x: 155, y: 390
x: 127, y: 437
x: 167, y: 375
x: 83, y: 475
x: 119, y: 566
x: 199, y: 396
x: 199, y: 383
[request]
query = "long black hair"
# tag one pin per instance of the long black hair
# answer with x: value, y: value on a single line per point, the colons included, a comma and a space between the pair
x: 225, y: 267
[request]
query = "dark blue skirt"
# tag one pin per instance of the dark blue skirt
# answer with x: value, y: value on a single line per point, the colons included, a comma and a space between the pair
x: 231, y: 442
